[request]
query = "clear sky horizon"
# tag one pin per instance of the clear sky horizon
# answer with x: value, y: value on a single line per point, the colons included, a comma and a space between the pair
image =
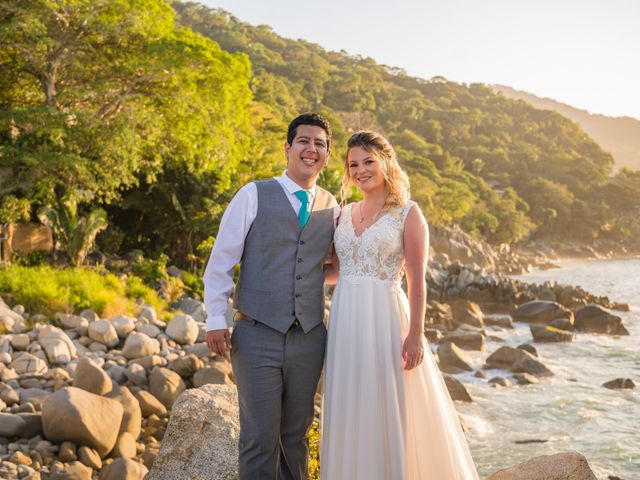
x: 585, y: 53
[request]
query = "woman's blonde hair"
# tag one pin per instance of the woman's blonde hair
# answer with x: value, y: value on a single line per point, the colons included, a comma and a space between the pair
x: 396, y: 180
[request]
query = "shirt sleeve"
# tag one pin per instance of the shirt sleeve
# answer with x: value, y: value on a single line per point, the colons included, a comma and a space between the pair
x: 227, y: 253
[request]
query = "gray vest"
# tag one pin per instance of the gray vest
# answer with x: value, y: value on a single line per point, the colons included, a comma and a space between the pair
x: 281, y: 274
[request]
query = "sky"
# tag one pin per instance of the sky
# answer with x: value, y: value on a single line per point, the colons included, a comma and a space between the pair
x: 585, y: 53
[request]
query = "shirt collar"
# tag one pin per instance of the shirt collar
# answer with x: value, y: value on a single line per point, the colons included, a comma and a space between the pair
x: 292, y: 187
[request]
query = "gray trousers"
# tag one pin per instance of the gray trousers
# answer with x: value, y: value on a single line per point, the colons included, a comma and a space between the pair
x: 277, y: 375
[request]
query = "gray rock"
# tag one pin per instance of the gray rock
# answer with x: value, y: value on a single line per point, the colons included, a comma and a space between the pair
x: 132, y: 417
x: 539, y: 311
x: 456, y: 389
x: 125, y: 469
x: 561, y: 466
x: 90, y: 377
x: 620, y: 383
x: 517, y: 360
x: 165, y: 385
x: 467, y: 313
x: 136, y: 374
x: 140, y: 345
x: 102, y: 331
x: 34, y: 396
x: 123, y: 325
x: 595, y: 319
x: 89, y: 457
x: 450, y: 355
x: 81, y: 417
x: 33, y: 422
x: 213, y: 374
x: 70, y: 471
x: 8, y: 394
x: 547, y: 333
x: 74, y: 322
x: 202, y: 436
x: 182, y: 329
x: 11, y: 425
x: 26, y: 363
x: 149, y: 405
x: 148, y: 329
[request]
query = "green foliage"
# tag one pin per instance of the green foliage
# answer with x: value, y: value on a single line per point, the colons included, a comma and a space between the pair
x: 46, y: 290
x: 30, y: 259
x: 14, y: 210
x: 76, y: 234
x: 149, y: 270
x: 313, y: 471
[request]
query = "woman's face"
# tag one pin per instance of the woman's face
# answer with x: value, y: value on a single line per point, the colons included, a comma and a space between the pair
x: 365, y: 170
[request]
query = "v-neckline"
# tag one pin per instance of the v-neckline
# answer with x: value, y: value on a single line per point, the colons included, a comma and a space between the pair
x: 353, y: 227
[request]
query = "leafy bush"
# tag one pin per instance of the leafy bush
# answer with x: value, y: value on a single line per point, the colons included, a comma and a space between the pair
x: 46, y: 290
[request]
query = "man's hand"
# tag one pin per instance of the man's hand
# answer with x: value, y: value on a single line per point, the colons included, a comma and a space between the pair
x: 219, y: 341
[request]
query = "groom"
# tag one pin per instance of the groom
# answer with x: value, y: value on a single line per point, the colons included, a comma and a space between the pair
x: 280, y: 230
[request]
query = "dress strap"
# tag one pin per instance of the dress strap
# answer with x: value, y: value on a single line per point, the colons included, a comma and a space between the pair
x: 406, y: 209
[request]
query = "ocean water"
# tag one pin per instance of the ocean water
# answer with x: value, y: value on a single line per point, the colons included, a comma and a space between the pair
x: 571, y: 410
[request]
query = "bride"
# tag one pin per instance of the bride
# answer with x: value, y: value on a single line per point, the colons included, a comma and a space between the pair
x: 386, y: 412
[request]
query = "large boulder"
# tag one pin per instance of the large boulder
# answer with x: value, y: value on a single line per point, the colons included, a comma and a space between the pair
x: 517, y: 360
x: 561, y: 466
x: 539, y: 311
x: 166, y: 385
x: 202, y: 436
x: 451, y: 356
x: 183, y: 329
x: 132, y: 417
x: 595, y: 319
x: 11, y: 425
x: 90, y: 377
x: 467, y: 313
x: 75, y: 415
x: 547, y: 333
x: 465, y: 340
x: 456, y: 389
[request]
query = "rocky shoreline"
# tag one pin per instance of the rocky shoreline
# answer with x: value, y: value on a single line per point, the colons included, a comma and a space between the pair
x: 84, y: 397
x: 92, y: 398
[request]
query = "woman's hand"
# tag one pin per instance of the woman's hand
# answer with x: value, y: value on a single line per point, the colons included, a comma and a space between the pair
x: 413, y: 351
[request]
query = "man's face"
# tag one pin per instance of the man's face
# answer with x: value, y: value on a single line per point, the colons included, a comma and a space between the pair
x: 307, y: 154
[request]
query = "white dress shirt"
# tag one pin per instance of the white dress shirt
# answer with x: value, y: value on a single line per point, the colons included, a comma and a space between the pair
x: 229, y: 246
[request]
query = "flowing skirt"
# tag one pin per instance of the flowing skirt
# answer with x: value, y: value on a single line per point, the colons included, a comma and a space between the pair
x: 380, y: 421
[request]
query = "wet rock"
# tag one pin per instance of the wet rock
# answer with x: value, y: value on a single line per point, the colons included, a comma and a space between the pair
x: 467, y: 313
x: 528, y: 348
x: 547, y: 333
x: 456, y: 389
x: 450, y: 355
x: 500, y: 382
x: 524, y: 378
x: 539, y: 311
x: 517, y: 360
x: 595, y: 319
x: 465, y: 340
x: 620, y: 383
x: 561, y: 466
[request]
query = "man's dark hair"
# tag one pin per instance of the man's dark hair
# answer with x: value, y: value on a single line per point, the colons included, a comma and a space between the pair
x: 309, y: 119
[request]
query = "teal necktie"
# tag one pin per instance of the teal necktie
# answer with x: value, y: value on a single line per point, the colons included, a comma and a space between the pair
x: 305, y: 207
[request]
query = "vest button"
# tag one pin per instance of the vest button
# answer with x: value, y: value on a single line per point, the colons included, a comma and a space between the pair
x: 301, y: 242
x: 298, y: 295
x: 299, y: 260
x: 298, y: 277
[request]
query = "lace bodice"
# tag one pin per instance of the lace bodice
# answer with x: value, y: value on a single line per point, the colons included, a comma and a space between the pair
x: 378, y: 252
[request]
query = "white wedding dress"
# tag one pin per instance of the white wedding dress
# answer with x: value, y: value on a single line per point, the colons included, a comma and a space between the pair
x: 379, y: 421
